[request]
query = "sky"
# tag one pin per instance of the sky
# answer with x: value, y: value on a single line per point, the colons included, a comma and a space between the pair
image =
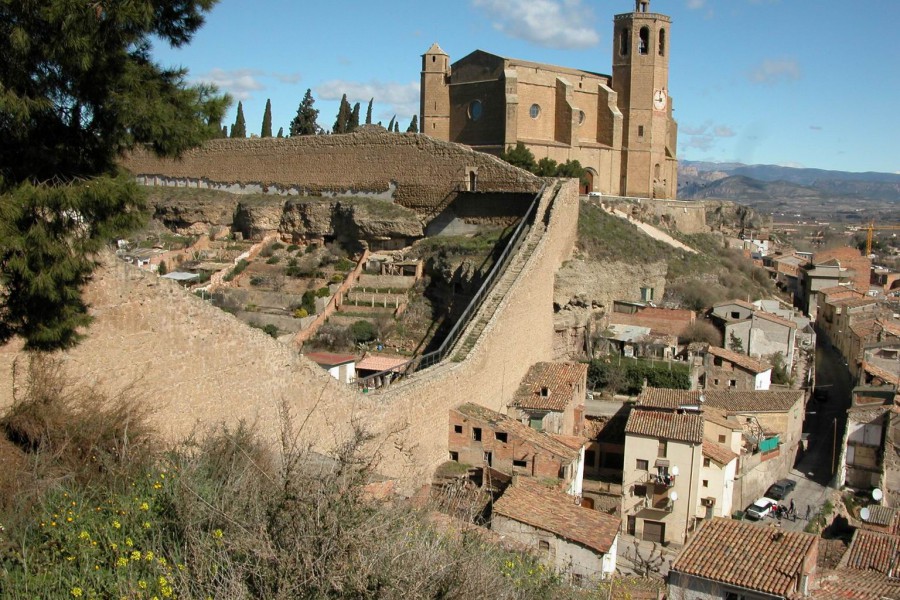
x: 802, y: 83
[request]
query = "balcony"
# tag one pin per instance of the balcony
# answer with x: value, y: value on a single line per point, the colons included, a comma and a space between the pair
x: 664, y: 481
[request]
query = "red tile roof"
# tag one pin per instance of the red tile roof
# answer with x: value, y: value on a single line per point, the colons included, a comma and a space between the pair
x: 732, y: 401
x: 558, y: 379
x: 379, y: 362
x: 517, y: 429
x: 855, y: 302
x: 761, y: 314
x: 764, y: 559
x: 864, y: 327
x: 682, y: 427
x: 849, y: 584
x: 741, y: 360
x: 718, y: 453
x: 530, y: 502
x: 871, y: 550
x: 329, y: 359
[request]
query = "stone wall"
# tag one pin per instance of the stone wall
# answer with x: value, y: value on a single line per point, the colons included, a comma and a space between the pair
x: 197, y: 365
x: 425, y: 172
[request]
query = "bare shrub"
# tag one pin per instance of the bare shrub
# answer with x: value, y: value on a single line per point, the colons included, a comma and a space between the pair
x: 702, y: 331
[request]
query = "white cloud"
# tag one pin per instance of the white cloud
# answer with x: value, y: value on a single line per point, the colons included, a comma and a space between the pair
x: 775, y: 70
x: 705, y: 135
x: 816, y: 127
x: 550, y: 23
x: 287, y: 77
x: 723, y: 131
x: 240, y: 83
x: 391, y: 98
x: 696, y: 4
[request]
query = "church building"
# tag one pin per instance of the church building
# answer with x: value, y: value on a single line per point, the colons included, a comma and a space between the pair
x: 619, y: 127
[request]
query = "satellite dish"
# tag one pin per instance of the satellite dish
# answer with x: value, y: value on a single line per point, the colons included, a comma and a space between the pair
x: 673, y: 496
x: 877, y: 495
x: 675, y: 471
x: 864, y: 513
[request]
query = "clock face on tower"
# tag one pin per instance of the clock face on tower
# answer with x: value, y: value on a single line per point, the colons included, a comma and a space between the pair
x: 659, y: 99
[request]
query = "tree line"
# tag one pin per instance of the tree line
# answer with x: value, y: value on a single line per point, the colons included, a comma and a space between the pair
x: 306, y: 120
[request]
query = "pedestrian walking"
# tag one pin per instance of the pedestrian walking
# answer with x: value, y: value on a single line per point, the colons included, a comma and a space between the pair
x: 792, y: 505
x: 808, y: 509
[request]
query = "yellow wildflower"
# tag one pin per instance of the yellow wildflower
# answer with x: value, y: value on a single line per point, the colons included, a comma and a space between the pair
x: 114, y: 546
x: 146, y: 524
x: 145, y: 506
x: 148, y: 555
x: 217, y: 534
x: 142, y: 584
x: 128, y: 542
x: 77, y: 591
x: 117, y: 525
x: 122, y: 562
x: 84, y: 535
x: 135, y: 555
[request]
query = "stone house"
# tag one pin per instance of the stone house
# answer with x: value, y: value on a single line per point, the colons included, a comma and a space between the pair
x: 579, y: 542
x: 726, y: 369
x: 836, y: 292
x: 551, y: 398
x: 663, y: 457
x: 731, y: 311
x: 732, y: 559
x: 763, y: 335
x: 482, y: 437
x: 340, y: 366
x: 771, y: 423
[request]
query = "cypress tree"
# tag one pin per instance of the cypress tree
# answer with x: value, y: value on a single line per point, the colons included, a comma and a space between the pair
x: 79, y: 89
x: 354, y: 118
x: 342, y: 122
x: 390, y: 126
x: 224, y: 132
x: 396, y: 127
x: 305, y: 121
x: 281, y: 132
x: 413, y: 125
x: 267, y: 121
x: 369, y: 112
x: 239, y: 129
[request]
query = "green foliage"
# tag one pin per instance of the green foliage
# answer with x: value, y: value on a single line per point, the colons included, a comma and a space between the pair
x: 342, y: 121
x: 390, y: 126
x: 780, y: 373
x: 236, y: 270
x: 323, y: 292
x: 270, y: 329
x: 77, y: 88
x: 344, y: 265
x: 363, y: 331
x: 627, y: 375
x: 280, y: 132
x: 266, y: 131
x: 239, y: 129
x: 273, y: 260
x: 162, y: 268
x: 256, y: 281
x: 520, y: 156
x: 293, y: 248
x: 354, y: 119
x: 396, y: 127
x: 605, y: 237
x: 305, y: 121
x: 308, y: 302
x: 300, y: 313
x: 735, y: 343
x: 277, y: 246
x: 413, y: 125
x: 369, y: 112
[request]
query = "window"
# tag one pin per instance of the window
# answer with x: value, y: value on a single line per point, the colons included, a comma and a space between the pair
x: 662, y: 448
x: 476, y: 434
x: 488, y: 458
x: 707, y: 462
x: 715, y: 381
x: 721, y: 439
x: 520, y: 463
x: 706, y: 483
x: 500, y: 436
x: 457, y: 429
x: 735, y: 314
x: 662, y: 42
x: 580, y: 117
x: 640, y: 491
x: 717, y: 361
x: 640, y: 131
x: 535, y: 111
x: 624, y: 39
x: 732, y: 383
x: 537, y: 423
x: 642, y: 465
x: 590, y: 458
x: 475, y: 110
x: 545, y: 392
x: 645, y: 40
x: 544, y: 546
x: 454, y: 456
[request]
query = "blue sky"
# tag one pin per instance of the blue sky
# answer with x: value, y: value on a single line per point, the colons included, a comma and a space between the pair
x: 811, y: 83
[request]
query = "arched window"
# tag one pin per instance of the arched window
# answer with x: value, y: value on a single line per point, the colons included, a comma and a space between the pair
x: 535, y: 111
x: 475, y: 110
x: 656, y: 171
x: 624, y: 39
x: 662, y: 42
x: 645, y: 40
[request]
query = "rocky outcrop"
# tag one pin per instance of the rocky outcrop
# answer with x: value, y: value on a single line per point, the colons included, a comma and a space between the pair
x: 582, y: 285
x: 347, y: 220
x: 721, y: 214
x: 191, y: 211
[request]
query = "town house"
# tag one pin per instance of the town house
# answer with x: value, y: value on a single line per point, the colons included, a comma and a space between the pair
x: 726, y: 369
x: 551, y: 398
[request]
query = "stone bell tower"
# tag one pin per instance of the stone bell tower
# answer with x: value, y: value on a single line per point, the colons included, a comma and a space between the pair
x: 435, y: 94
x: 641, y: 80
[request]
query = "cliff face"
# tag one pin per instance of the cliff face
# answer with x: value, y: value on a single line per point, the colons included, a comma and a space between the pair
x: 193, y: 212
x: 729, y: 215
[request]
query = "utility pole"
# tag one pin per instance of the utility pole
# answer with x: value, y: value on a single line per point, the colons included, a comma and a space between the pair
x: 834, y: 448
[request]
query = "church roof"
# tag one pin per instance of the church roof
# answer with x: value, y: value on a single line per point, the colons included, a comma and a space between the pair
x: 435, y: 49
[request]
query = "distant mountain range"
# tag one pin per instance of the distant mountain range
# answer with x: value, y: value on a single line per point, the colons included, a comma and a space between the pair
x: 766, y: 184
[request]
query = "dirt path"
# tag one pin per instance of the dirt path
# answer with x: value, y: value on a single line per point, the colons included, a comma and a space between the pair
x: 650, y: 230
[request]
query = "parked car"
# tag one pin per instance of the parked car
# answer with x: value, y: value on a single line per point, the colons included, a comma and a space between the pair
x: 781, y: 488
x: 595, y: 195
x: 761, y: 508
